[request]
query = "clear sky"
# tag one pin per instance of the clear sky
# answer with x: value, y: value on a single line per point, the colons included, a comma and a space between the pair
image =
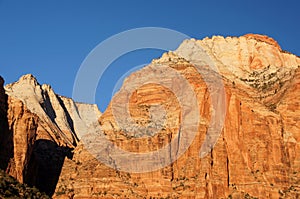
x: 50, y: 39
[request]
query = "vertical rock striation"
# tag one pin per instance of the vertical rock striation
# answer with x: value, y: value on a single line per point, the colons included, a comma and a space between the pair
x: 257, y: 153
x: 40, y: 129
x: 43, y: 136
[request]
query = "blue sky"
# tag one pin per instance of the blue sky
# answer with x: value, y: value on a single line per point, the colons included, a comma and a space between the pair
x: 50, y: 39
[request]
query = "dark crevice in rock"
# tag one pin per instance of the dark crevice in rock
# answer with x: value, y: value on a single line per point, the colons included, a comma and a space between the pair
x: 48, y: 108
x: 6, y: 135
x: 70, y: 121
x: 227, y: 168
x: 45, y: 165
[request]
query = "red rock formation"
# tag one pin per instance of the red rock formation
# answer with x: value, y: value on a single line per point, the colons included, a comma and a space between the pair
x: 39, y: 131
x: 257, y: 153
x: 263, y: 38
x: 20, y: 146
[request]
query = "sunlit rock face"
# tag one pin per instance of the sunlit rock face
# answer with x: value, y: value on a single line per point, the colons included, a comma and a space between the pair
x: 256, y: 153
x: 39, y: 129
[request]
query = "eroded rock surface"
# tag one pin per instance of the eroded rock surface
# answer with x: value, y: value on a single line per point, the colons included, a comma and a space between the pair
x: 255, y: 155
x: 39, y: 130
x: 257, y: 152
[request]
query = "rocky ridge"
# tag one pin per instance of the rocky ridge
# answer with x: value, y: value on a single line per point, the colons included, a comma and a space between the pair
x: 256, y: 154
x: 41, y: 129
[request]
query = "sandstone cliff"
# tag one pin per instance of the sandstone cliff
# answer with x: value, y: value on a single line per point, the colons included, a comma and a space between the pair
x: 39, y: 129
x: 256, y: 154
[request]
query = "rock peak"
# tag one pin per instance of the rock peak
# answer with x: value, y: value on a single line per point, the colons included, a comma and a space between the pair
x: 263, y: 38
x: 25, y: 81
x: 28, y: 77
x: 260, y: 82
x: 238, y: 56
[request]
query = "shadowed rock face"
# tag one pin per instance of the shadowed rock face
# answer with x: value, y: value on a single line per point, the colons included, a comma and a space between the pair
x: 3, y: 104
x: 45, y: 165
x: 256, y: 154
x: 6, y: 150
x: 22, y: 154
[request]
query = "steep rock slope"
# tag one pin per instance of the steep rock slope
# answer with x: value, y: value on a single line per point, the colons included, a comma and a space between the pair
x: 39, y: 129
x: 256, y: 154
x: 53, y: 143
